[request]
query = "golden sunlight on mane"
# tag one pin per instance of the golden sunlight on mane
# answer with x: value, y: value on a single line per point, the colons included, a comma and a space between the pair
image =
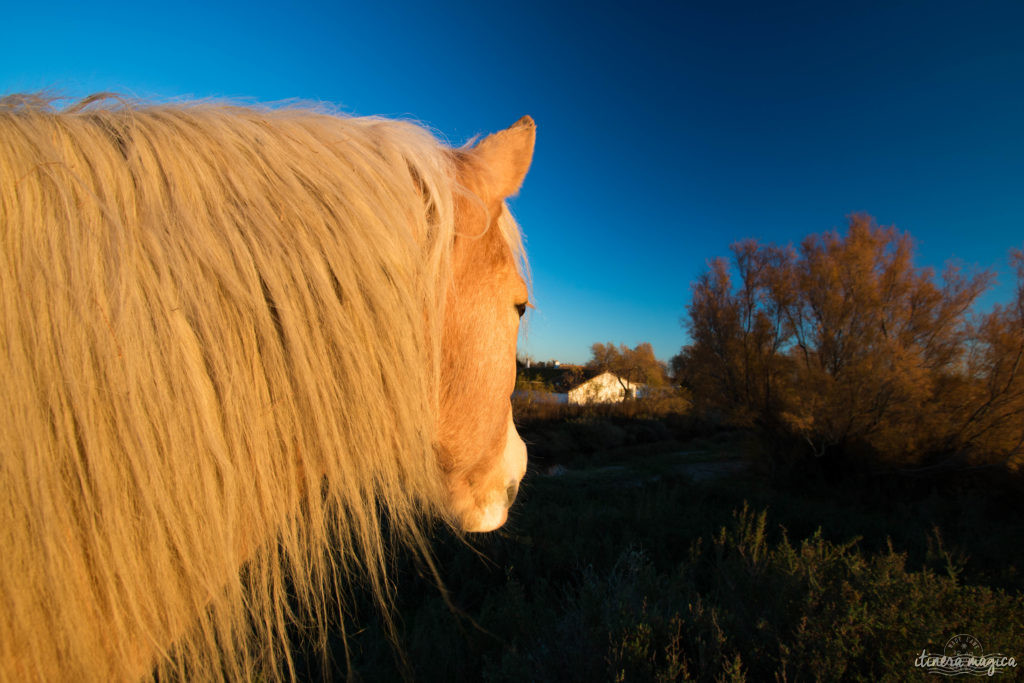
x: 222, y: 342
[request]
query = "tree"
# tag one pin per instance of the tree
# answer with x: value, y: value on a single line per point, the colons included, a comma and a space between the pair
x: 737, y: 335
x: 632, y: 366
x: 988, y: 410
x: 848, y: 345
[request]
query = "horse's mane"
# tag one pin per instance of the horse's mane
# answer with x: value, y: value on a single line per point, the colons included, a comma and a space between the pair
x: 220, y: 325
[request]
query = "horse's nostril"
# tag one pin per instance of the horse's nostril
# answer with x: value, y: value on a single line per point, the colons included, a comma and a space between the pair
x: 511, y: 492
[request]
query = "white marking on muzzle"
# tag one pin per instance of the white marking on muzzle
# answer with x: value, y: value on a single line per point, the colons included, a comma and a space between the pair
x: 494, y: 511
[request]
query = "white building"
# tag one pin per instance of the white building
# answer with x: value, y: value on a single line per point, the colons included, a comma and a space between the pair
x: 605, y: 388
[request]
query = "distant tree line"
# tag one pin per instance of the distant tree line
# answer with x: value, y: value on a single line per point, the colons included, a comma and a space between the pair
x: 847, y: 347
x: 635, y: 365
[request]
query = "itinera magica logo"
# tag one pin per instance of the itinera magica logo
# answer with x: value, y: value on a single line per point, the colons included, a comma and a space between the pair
x: 964, y: 655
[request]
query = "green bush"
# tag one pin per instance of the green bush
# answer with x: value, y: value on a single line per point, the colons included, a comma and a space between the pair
x: 741, y: 606
x: 677, y: 581
x: 626, y: 570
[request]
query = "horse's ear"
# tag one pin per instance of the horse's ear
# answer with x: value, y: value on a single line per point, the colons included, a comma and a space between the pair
x: 504, y: 158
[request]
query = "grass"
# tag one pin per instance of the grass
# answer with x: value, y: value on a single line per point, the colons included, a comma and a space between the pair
x: 626, y: 569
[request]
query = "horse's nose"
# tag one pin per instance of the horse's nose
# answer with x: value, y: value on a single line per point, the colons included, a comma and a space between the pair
x: 511, y: 492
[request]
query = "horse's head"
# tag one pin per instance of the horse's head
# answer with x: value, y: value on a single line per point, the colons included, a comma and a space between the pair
x: 481, y: 453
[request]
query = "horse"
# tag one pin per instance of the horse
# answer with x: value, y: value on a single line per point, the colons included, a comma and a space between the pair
x: 248, y: 352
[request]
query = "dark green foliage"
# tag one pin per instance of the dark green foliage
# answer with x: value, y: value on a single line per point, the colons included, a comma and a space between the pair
x: 624, y: 572
x: 563, y: 434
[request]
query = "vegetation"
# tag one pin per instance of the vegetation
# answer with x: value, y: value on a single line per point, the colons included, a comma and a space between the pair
x: 849, y: 349
x: 637, y: 365
x: 547, y: 379
x: 623, y: 568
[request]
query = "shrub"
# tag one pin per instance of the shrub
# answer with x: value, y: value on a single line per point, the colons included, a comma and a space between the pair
x: 847, y: 347
x: 743, y: 606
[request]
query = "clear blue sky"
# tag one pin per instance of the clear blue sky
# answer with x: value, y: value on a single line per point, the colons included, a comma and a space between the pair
x: 666, y: 131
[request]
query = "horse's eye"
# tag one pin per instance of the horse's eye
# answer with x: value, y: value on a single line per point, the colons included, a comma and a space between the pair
x: 521, y: 309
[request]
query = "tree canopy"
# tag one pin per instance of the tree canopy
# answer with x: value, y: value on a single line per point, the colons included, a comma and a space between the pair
x: 637, y: 365
x: 846, y: 344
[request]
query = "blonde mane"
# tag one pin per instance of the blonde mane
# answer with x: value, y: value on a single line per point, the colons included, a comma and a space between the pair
x: 221, y: 342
